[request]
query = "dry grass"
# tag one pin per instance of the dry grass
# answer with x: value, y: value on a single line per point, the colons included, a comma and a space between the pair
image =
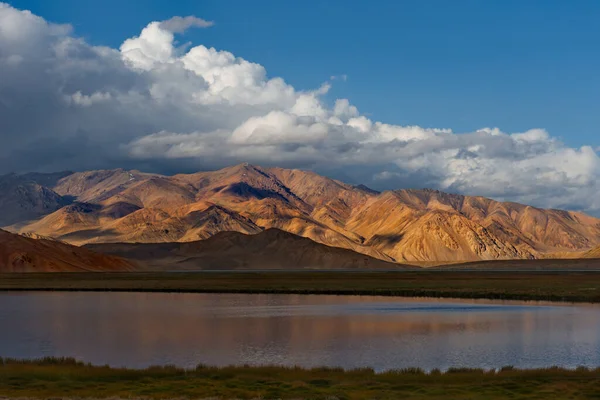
x: 66, y: 378
x: 509, y: 285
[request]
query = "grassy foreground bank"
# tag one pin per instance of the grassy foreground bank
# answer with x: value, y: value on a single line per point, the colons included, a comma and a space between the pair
x: 545, y: 286
x: 66, y: 378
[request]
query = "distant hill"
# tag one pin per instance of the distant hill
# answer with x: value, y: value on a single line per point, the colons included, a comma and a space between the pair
x: 270, y: 249
x: 108, y: 206
x: 25, y: 254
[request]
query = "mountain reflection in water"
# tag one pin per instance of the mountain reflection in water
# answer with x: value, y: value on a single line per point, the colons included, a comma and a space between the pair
x: 141, y: 329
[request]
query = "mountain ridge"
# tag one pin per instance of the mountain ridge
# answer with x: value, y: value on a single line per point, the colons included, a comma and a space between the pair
x: 395, y: 226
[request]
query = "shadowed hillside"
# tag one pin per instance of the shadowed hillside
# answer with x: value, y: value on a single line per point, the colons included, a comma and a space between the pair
x: 270, y: 249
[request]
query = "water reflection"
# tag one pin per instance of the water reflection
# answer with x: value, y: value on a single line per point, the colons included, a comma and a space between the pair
x: 141, y: 329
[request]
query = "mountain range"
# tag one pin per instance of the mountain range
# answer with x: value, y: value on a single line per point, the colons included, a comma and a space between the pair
x: 109, y: 206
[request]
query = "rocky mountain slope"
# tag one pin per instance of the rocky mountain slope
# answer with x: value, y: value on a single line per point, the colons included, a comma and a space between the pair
x: 269, y: 249
x: 25, y: 254
x: 594, y: 253
x: 22, y: 198
x: 403, y: 225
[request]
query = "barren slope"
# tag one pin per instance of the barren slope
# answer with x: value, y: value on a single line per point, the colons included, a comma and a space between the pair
x: 594, y: 253
x: 270, y: 249
x: 24, y: 254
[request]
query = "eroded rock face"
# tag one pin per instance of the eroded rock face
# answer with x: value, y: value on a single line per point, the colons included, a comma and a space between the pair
x: 403, y: 225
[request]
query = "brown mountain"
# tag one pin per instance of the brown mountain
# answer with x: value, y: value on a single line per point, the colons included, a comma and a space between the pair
x: 270, y: 249
x: 403, y: 225
x: 25, y: 254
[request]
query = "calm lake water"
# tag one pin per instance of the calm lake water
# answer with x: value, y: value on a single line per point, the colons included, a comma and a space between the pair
x: 142, y: 329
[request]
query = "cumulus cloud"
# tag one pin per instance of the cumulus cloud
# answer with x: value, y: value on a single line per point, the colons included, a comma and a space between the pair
x: 65, y: 104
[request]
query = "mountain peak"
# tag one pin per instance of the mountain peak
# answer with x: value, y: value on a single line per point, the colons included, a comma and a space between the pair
x: 367, y: 189
x: 244, y: 167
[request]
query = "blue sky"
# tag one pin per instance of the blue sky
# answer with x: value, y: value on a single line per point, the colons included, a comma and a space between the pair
x: 448, y: 64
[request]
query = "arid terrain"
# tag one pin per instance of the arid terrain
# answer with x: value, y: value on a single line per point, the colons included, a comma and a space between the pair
x: 111, y: 206
x: 594, y: 253
x: 25, y: 254
x: 270, y: 249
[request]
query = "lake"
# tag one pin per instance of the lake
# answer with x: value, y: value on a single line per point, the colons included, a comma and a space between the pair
x: 142, y: 329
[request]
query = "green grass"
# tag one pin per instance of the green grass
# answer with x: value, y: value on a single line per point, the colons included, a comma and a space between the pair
x: 545, y: 286
x: 52, y: 378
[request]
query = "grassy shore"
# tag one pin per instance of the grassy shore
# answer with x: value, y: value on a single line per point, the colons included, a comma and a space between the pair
x: 545, y: 286
x: 66, y: 378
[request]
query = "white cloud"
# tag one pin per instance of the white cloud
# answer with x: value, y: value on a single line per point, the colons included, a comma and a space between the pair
x: 65, y: 104
x: 153, y: 47
x: 343, y: 109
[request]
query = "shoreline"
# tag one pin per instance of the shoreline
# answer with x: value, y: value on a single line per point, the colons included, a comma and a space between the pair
x: 392, y: 294
x: 68, y: 378
x: 550, y: 286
